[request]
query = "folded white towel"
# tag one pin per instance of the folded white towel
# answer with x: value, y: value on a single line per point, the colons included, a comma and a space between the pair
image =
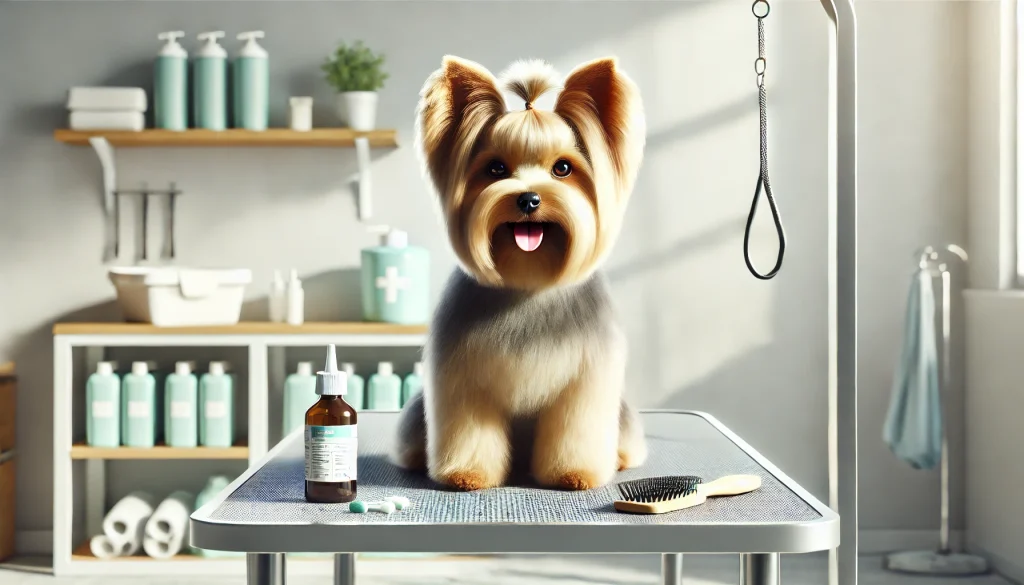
x: 130, y: 99
x: 134, y: 121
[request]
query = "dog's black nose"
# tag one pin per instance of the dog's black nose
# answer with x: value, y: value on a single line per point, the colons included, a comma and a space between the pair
x: 528, y: 202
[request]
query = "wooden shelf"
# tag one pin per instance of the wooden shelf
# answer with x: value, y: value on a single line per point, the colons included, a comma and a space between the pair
x: 84, y: 553
x: 244, y: 328
x: 82, y: 451
x: 279, y: 137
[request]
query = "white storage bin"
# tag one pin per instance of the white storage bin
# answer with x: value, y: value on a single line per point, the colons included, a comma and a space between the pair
x: 179, y: 297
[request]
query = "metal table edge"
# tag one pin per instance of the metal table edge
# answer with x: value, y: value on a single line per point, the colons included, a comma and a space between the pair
x: 800, y: 537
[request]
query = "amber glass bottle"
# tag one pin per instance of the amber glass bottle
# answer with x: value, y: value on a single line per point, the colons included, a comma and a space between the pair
x: 331, y: 439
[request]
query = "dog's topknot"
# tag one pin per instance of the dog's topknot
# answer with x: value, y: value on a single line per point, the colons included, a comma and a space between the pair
x: 529, y: 80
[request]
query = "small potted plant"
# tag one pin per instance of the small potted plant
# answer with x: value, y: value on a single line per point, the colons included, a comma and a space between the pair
x: 356, y: 73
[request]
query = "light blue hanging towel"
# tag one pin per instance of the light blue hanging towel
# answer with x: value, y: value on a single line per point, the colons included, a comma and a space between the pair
x: 913, y: 427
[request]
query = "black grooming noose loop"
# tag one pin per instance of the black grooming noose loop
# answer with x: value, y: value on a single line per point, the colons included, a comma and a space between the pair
x: 760, y: 9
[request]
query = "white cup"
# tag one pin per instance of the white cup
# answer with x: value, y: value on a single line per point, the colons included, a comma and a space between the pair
x: 301, y: 113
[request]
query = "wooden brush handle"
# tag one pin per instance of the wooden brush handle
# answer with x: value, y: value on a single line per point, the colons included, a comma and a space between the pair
x: 730, y: 485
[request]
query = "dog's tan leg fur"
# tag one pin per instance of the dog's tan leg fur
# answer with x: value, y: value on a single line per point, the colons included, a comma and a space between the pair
x: 632, y: 446
x: 577, y: 437
x: 468, y: 436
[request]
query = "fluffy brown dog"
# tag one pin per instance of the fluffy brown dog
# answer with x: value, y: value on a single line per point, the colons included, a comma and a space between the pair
x: 533, y: 201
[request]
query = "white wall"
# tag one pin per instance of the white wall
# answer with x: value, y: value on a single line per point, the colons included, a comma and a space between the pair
x: 995, y: 313
x: 704, y: 333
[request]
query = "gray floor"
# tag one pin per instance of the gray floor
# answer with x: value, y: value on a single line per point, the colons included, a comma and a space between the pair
x: 549, y: 570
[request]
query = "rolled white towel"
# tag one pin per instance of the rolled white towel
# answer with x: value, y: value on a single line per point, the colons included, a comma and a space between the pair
x: 125, y: 524
x: 102, y: 548
x: 169, y: 521
x: 125, y: 99
x: 161, y: 550
x: 94, y: 120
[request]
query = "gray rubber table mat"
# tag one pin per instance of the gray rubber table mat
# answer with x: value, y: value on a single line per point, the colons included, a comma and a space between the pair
x: 679, y: 444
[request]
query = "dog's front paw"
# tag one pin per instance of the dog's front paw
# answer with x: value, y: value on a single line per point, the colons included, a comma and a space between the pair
x: 580, y: 479
x: 466, y: 480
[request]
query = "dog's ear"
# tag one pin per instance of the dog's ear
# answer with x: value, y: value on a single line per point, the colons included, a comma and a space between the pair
x: 457, y: 103
x: 604, y: 106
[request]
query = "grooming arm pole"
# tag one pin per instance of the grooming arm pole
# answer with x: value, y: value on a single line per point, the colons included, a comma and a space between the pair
x: 842, y: 275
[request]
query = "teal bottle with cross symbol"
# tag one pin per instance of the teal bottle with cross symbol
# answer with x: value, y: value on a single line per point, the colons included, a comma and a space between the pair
x: 395, y: 279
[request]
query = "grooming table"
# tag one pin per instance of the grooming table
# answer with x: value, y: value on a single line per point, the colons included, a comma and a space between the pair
x: 264, y: 512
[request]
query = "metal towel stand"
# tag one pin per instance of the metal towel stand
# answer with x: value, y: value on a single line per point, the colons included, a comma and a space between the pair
x: 943, y: 561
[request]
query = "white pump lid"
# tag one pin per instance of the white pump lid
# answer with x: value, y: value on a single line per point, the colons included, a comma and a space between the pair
x: 172, y: 48
x: 417, y: 369
x: 140, y: 368
x: 349, y: 368
x: 105, y: 368
x: 210, y: 48
x: 293, y: 280
x: 251, y: 48
x: 391, y: 237
x: 305, y: 369
x: 331, y: 381
x: 217, y: 368
x: 183, y: 368
x: 385, y: 369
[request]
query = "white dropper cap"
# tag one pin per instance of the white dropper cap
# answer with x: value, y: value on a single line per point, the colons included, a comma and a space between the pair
x: 210, y: 48
x: 217, y: 368
x: 105, y: 368
x: 172, y: 48
x: 140, y: 368
x: 251, y: 48
x: 331, y: 381
x: 305, y: 369
x: 417, y: 369
x: 385, y: 369
x: 183, y: 368
x: 349, y: 368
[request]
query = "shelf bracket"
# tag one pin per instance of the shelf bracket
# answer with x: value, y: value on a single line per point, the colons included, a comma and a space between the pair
x: 105, y: 153
x: 363, y: 177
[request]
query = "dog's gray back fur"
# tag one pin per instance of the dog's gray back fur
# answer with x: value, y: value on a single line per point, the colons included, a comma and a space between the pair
x: 512, y: 320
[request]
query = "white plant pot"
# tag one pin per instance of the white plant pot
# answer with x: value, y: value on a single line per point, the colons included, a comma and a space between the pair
x: 357, y: 109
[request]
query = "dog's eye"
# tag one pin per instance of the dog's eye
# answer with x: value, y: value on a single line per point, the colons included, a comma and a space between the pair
x: 562, y: 168
x: 497, y: 169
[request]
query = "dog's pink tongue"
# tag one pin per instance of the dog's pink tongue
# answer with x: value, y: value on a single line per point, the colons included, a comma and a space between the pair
x: 528, y: 235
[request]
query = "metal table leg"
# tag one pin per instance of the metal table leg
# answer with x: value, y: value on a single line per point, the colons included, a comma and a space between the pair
x: 760, y: 569
x: 672, y: 569
x: 345, y: 569
x: 264, y: 569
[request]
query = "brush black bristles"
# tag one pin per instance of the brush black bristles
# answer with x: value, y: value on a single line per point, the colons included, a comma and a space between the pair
x: 658, y: 489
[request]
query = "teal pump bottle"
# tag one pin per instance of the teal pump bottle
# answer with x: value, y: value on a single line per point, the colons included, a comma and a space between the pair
x: 210, y: 82
x: 385, y: 389
x: 138, y: 407
x: 181, y: 407
x: 103, y: 407
x: 395, y: 280
x: 251, y: 83
x: 216, y: 407
x: 413, y: 383
x: 299, y: 395
x: 170, y: 84
x: 356, y: 387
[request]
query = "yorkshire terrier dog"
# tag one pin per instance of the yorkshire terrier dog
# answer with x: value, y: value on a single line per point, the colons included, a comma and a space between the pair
x: 533, y: 201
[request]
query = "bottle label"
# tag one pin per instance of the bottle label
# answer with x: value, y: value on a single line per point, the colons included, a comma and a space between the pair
x: 138, y: 409
x: 102, y: 409
x: 182, y: 409
x: 331, y: 453
x: 216, y: 409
